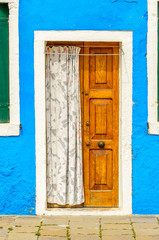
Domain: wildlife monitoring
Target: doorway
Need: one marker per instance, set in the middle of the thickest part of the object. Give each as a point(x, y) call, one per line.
point(125, 39)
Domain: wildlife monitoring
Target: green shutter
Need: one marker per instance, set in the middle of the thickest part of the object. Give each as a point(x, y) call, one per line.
point(4, 64)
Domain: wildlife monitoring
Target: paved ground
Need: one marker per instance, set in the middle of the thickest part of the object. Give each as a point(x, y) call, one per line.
point(79, 227)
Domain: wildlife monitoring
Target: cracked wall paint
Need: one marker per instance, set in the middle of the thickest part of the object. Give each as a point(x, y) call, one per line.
point(17, 174)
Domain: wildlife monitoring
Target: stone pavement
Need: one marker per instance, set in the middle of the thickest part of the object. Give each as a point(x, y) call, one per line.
point(79, 227)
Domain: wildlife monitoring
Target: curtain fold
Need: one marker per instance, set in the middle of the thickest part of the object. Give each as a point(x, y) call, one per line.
point(64, 138)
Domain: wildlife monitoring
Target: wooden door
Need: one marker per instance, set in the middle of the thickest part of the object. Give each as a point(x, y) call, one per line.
point(101, 124)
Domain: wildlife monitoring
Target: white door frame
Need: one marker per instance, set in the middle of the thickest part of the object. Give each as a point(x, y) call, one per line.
point(125, 118)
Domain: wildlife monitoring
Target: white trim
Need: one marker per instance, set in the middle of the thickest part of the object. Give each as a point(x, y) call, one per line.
point(12, 128)
point(125, 106)
point(152, 55)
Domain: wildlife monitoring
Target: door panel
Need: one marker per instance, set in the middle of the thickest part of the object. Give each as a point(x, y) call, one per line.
point(101, 119)
point(101, 170)
point(101, 111)
point(101, 71)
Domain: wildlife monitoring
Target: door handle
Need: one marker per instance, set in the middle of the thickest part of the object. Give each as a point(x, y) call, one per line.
point(87, 123)
point(101, 144)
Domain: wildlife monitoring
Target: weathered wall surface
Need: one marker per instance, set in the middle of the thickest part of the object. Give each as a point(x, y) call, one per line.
point(17, 162)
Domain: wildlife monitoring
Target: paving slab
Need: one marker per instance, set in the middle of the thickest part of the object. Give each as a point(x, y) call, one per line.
point(144, 237)
point(84, 221)
point(146, 225)
point(116, 226)
point(3, 232)
point(110, 237)
point(8, 217)
point(84, 217)
point(54, 232)
point(85, 231)
point(7, 222)
point(116, 219)
point(22, 236)
point(51, 238)
point(144, 219)
point(25, 229)
point(147, 232)
point(52, 227)
point(83, 225)
point(27, 221)
point(117, 232)
point(91, 219)
point(58, 220)
point(85, 237)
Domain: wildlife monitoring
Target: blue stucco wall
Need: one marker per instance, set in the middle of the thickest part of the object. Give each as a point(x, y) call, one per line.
point(17, 154)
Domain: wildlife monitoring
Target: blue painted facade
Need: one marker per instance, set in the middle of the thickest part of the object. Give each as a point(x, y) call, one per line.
point(17, 154)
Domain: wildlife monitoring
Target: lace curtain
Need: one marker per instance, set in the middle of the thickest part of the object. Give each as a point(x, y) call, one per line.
point(63, 113)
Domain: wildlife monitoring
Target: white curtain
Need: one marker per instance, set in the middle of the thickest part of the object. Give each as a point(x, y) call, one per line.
point(63, 112)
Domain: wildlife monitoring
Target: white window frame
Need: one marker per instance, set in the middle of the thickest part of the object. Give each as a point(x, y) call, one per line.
point(12, 128)
point(152, 62)
point(125, 116)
